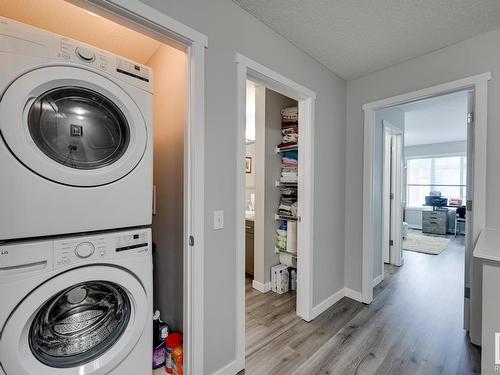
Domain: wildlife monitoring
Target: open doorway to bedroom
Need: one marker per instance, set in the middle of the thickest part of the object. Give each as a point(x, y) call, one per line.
point(421, 152)
point(466, 297)
point(422, 183)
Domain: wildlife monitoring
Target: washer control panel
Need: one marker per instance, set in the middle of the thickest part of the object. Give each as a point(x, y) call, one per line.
point(131, 241)
point(101, 247)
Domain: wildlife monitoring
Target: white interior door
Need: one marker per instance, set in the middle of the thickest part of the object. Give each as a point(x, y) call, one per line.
point(396, 240)
point(392, 202)
point(468, 216)
point(386, 196)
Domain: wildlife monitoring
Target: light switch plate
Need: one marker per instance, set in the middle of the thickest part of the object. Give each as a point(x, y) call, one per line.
point(218, 220)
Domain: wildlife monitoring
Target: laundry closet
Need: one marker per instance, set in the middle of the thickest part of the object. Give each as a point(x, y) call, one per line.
point(168, 64)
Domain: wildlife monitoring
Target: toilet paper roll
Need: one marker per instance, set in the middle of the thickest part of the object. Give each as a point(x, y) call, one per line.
point(291, 237)
point(288, 260)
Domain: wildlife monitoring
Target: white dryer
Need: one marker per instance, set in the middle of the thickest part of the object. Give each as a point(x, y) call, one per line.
point(76, 136)
point(77, 305)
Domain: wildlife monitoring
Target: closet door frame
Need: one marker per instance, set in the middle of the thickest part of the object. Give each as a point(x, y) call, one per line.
point(249, 69)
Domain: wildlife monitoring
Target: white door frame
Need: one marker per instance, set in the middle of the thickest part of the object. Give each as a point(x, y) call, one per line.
point(392, 223)
point(247, 68)
point(142, 18)
point(478, 83)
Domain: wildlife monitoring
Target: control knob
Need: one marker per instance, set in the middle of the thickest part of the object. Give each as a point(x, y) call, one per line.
point(85, 54)
point(84, 250)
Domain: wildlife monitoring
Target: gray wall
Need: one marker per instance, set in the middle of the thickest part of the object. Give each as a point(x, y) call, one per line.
point(397, 118)
point(268, 105)
point(169, 89)
point(473, 56)
point(230, 30)
point(458, 148)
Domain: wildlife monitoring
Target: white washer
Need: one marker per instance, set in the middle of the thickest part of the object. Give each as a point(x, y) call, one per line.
point(77, 305)
point(76, 136)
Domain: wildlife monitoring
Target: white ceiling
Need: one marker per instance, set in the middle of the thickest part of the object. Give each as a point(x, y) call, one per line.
point(436, 120)
point(68, 20)
point(357, 37)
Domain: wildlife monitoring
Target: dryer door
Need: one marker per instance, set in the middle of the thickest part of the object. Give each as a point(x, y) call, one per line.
point(72, 126)
point(84, 321)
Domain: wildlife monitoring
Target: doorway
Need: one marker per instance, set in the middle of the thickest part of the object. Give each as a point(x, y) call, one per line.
point(251, 70)
point(271, 213)
point(424, 169)
point(476, 118)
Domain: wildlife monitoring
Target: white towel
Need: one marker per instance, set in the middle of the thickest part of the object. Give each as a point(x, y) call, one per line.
point(291, 237)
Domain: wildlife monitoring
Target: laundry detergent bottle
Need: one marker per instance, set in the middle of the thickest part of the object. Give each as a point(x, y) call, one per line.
point(160, 333)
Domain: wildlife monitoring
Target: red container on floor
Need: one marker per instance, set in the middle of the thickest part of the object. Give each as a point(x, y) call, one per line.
point(173, 340)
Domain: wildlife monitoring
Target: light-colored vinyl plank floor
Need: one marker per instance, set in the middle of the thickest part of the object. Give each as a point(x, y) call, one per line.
point(413, 326)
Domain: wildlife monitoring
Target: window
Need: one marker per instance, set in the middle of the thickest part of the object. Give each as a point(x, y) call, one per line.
point(446, 175)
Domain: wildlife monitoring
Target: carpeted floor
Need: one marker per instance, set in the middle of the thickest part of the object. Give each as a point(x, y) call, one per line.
point(422, 243)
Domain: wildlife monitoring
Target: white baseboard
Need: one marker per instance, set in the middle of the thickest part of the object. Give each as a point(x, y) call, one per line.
point(263, 288)
point(352, 294)
point(327, 303)
point(230, 369)
point(377, 280)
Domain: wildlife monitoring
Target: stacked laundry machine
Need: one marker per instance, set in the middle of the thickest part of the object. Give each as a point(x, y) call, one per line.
point(75, 207)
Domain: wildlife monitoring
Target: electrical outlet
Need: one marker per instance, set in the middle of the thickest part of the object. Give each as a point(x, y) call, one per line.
point(218, 220)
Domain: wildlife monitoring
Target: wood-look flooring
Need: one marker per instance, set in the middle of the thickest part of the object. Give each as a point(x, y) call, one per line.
point(413, 326)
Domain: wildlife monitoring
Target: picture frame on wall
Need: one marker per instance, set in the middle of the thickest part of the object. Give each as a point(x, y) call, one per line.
point(248, 164)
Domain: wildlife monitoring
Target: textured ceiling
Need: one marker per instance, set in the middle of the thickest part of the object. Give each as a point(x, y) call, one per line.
point(357, 37)
point(71, 21)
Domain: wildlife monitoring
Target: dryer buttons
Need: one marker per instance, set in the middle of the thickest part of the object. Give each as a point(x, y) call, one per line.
point(84, 250)
point(86, 54)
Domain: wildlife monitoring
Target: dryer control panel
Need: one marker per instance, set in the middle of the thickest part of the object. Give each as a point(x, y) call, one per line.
point(71, 50)
point(104, 246)
point(21, 39)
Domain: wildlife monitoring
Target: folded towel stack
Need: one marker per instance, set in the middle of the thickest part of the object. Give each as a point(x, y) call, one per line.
point(290, 115)
point(289, 164)
point(288, 192)
point(289, 127)
point(286, 234)
point(285, 207)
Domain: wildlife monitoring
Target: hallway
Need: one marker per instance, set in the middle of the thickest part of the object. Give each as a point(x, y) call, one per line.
point(413, 326)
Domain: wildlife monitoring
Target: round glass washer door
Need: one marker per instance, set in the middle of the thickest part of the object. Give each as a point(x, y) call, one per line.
point(79, 324)
point(78, 128)
point(73, 126)
point(90, 326)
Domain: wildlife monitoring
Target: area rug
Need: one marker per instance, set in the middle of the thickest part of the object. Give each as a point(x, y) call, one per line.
point(425, 244)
